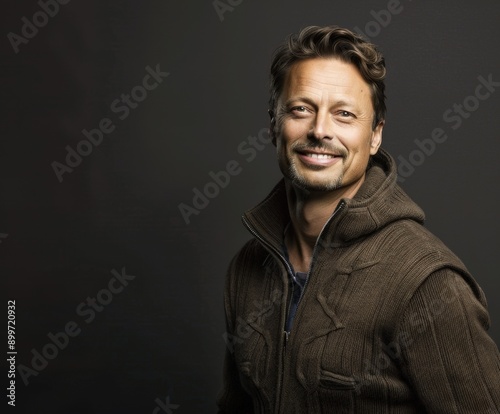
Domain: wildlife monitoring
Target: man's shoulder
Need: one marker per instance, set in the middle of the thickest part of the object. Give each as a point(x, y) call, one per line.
point(412, 235)
point(409, 245)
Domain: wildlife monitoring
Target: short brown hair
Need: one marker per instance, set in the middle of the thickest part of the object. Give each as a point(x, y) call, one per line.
point(331, 41)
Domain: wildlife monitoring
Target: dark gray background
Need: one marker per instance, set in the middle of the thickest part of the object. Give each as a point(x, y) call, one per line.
point(162, 336)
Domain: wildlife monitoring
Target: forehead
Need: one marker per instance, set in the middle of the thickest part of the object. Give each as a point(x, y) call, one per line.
point(320, 77)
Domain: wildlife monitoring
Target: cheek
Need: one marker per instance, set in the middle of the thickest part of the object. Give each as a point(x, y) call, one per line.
point(292, 129)
point(356, 140)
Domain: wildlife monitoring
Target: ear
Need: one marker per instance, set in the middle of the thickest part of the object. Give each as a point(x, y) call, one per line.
point(376, 139)
point(272, 126)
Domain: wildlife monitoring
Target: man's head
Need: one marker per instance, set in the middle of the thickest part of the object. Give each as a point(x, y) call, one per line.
point(327, 107)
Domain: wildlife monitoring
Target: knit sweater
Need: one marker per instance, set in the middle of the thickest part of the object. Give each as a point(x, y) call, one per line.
point(390, 320)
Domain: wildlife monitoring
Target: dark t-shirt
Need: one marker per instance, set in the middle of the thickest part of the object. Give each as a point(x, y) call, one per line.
point(298, 282)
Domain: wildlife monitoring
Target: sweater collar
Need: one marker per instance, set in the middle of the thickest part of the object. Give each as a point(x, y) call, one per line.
point(378, 202)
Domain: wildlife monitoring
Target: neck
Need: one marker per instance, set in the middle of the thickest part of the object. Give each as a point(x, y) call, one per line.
point(308, 213)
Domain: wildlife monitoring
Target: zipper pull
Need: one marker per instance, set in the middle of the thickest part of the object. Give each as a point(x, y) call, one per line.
point(285, 342)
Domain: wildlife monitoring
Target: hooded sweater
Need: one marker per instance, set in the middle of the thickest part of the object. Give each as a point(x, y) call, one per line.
point(389, 320)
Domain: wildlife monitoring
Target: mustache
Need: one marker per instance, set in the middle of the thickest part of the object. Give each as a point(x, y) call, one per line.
point(319, 146)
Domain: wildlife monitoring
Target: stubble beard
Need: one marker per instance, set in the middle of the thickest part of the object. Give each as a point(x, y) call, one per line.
point(301, 182)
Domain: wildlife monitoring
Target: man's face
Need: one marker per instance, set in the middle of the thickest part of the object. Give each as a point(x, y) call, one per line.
point(324, 126)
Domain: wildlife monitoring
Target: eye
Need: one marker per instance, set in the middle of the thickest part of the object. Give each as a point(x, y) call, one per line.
point(345, 114)
point(300, 110)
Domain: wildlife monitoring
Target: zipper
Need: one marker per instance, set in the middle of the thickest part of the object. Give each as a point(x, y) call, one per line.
point(281, 257)
point(286, 334)
point(340, 207)
point(268, 245)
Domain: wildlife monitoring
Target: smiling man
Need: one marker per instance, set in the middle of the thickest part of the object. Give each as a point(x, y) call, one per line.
point(343, 302)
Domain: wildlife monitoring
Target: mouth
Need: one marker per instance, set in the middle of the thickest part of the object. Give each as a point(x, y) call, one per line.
point(317, 155)
point(318, 158)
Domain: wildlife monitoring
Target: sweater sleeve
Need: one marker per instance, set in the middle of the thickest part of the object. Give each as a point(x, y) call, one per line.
point(450, 360)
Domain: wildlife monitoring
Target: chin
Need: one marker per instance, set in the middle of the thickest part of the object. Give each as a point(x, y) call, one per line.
point(315, 185)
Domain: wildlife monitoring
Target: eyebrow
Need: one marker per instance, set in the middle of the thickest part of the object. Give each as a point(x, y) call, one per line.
point(300, 98)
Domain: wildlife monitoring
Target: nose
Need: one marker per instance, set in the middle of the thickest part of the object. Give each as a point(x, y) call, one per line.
point(322, 126)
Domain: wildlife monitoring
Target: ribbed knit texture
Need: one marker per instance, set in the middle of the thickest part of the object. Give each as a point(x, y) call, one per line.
point(390, 320)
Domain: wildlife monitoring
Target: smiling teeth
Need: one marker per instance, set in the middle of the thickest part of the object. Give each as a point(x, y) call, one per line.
point(320, 156)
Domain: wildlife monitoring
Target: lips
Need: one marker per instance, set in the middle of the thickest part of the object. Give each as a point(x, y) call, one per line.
point(318, 158)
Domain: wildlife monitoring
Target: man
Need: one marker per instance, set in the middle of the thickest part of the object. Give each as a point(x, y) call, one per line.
point(343, 302)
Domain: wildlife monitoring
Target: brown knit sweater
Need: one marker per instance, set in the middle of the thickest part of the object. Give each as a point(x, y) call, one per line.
point(390, 320)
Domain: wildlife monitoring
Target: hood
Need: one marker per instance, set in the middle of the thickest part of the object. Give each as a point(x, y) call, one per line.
point(379, 202)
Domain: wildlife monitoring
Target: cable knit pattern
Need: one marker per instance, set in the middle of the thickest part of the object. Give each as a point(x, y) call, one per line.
point(390, 321)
